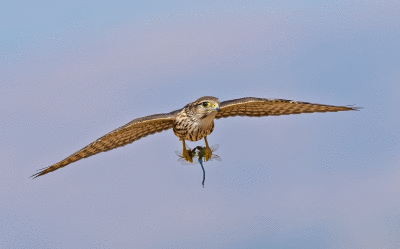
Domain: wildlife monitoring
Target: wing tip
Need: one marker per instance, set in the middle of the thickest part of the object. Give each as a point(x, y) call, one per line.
point(36, 175)
point(41, 172)
point(354, 108)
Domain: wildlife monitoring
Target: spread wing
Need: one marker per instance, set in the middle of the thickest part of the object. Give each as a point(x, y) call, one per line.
point(132, 131)
point(258, 107)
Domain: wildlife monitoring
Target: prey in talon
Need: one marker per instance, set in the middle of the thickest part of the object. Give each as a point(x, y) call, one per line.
point(198, 155)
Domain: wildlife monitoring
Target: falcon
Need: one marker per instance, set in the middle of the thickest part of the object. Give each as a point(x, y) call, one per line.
point(193, 122)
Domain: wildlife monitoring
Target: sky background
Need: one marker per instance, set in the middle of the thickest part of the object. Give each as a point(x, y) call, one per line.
point(72, 71)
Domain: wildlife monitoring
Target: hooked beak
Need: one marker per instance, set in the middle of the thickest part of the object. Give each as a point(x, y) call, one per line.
point(217, 109)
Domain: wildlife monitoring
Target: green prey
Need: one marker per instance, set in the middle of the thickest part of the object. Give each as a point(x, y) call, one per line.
point(200, 154)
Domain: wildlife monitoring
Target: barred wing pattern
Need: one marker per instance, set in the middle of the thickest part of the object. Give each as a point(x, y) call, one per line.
point(132, 131)
point(258, 107)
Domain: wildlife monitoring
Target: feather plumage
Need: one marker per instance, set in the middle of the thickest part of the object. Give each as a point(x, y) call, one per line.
point(193, 122)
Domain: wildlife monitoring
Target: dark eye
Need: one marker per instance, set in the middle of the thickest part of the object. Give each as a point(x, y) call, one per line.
point(206, 104)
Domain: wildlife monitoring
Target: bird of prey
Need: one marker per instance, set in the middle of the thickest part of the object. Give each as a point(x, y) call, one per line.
point(193, 122)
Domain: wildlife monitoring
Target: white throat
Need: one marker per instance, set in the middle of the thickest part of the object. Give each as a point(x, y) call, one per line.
point(208, 120)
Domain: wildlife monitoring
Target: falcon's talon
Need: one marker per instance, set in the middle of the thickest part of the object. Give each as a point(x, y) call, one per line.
point(186, 155)
point(208, 153)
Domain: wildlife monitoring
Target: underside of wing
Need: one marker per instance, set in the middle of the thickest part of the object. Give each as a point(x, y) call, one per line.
point(132, 131)
point(258, 107)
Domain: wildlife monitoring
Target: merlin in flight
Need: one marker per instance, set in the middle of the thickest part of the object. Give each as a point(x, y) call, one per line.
point(193, 122)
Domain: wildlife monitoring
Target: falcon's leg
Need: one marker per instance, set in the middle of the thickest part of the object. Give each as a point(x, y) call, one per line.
point(208, 150)
point(185, 153)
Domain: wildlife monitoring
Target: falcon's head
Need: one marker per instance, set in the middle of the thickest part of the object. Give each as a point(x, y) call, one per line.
point(206, 107)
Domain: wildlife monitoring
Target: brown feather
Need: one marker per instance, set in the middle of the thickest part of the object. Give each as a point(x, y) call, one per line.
point(132, 131)
point(258, 107)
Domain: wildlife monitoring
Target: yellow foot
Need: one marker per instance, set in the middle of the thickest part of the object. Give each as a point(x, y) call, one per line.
point(208, 153)
point(187, 156)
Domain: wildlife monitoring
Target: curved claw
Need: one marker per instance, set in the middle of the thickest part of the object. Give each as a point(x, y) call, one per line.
point(187, 156)
point(208, 153)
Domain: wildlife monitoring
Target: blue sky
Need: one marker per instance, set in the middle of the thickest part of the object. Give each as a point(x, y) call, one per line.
point(72, 72)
